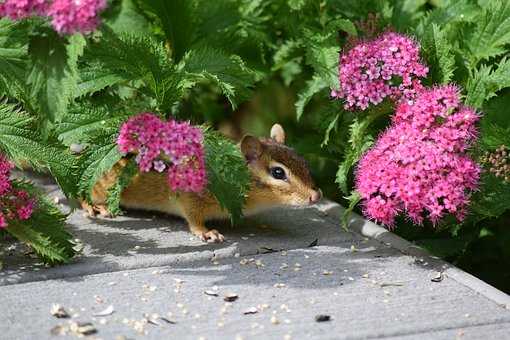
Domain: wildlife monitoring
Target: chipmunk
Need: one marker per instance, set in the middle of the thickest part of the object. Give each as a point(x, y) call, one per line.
point(278, 177)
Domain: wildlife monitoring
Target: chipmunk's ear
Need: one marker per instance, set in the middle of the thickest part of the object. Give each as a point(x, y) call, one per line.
point(251, 147)
point(278, 134)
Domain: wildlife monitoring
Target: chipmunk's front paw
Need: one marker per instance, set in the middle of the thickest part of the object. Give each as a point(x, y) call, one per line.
point(212, 235)
point(94, 210)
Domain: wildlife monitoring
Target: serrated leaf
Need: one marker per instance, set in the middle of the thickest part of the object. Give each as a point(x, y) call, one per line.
point(44, 231)
point(359, 142)
point(132, 58)
point(449, 12)
point(82, 123)
point(438, 51)
point(227, 174)
point(128, 19)
point(113, 196)
point(287, 60)
point(354, 198)
point(322, 55)
point(227, 71)
point(332, 126)
point(96, 161)
point(13, 57)
point(53, 72)
point(312, 87)
point(178, 20)
point(491, 33)
point(343, 25)
point(486, 81)
point(21, 142)
point(493, 198)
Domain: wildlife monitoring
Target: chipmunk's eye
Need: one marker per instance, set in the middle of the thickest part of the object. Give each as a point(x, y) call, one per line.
point(278, 173)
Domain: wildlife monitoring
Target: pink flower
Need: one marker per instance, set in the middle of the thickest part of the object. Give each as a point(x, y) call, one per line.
point(20, 9)
point(14, 203)
point(3, 221)
point(71, 16)
point(388, 66)
point(159, 145)
point(419, 166)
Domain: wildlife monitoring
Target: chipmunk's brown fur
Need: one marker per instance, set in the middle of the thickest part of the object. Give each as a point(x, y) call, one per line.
point(149, 191)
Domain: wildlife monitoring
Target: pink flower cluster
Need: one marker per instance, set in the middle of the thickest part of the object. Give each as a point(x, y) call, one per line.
point(388, 66)
point(67, 16)
point(14, 204)
point(20, 9)
point(166, 145)
point(419, 165)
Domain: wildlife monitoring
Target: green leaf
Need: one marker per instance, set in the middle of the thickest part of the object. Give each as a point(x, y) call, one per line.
point(97, 159)
point(132, 58)
point(354, 198)
point(83, 122)
point(227, 174)
point(45, 230)
point(228, 72)
point(345, 25)
point(438, 51)
point(21, 142)
point(332, 126)
point(287, 59)
point(312, 87)
point(53, 72)
point(486, 81)
point(449, 12)
point(359, 142)
point(13, 57)
point(178, 20)
point(322, 55)
point(113, 195)
point(491, 33)
point(493, 198)
point(128, 19)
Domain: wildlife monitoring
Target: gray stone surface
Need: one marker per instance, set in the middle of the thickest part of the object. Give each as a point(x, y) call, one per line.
point(372, 287)
point(369, 292)
point(491, 331)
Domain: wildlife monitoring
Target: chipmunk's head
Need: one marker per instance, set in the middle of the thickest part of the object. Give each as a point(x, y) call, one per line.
point(280, 176)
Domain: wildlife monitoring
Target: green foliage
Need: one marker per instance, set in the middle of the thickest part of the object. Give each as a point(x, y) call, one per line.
point(178, 21)
point(439, 53)
point(486, 82)
point(492, 200)
point(53, 73)
point(228, 72)
point(13, 57)
point(227, 174)
point(490, 33)
point(354, 198)
point(114, 193)
point(44, 232)
point(22, 143)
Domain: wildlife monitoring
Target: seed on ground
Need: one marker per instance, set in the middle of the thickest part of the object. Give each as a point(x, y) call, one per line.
point(322, 318)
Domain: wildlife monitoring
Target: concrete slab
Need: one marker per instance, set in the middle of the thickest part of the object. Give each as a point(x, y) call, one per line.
point(141, 240)
point(371, 283)
point(492, 331)
point(372, 292)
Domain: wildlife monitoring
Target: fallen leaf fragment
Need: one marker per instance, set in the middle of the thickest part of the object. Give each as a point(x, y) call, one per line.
point(105, 312)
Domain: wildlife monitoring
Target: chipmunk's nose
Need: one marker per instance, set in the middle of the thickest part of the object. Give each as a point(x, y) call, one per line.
point(315, 196)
